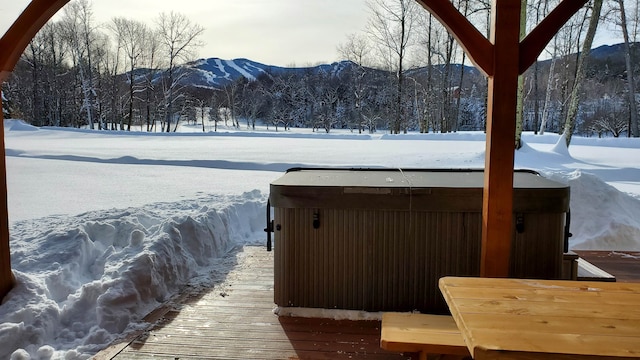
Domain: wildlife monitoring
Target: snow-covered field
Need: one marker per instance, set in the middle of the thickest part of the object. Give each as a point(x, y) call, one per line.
point(105, 226)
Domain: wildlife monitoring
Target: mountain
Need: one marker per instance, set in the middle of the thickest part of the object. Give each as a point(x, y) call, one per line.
point(606, 63)
point(217, 73)
point(605, 52)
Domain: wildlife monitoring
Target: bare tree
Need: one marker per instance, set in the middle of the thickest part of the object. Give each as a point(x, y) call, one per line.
point(447, 90)
point(391, 28)
point(151, 61)
point(79, 31)
point(214, 112)
point(633, 109)
point(555, 52)
point(572, 111)
point(180, 39)
point(58, 52)
point(282, 95)
point(520, 96)
point(253, 101)
point(357, 49)
point(109, 105)
point(232, 102)
point(550, 85)
point(36, 89)
point(429, 38)
point(607, 115)
point(327, 109)
point(130, 36)
point(34, 56)
point(539, 6)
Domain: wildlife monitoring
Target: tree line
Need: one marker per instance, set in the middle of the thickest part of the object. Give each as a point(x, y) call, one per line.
point(76, 72)
point(403, 72)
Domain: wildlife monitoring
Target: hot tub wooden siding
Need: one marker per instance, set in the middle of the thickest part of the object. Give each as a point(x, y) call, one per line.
point(379, 240)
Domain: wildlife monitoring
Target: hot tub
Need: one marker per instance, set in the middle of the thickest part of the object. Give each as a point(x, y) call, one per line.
point(379, 239)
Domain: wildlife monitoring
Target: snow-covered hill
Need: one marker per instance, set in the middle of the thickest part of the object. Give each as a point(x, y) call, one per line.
point(217, 73)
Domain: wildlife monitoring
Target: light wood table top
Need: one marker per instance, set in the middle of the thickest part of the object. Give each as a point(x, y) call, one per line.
point(545, 319)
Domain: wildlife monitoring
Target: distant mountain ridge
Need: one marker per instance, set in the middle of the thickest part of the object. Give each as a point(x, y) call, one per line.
point(216, 73)
point(610, 51)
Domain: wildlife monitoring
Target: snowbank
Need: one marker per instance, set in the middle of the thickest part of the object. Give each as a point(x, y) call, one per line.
point(83, 280)
point(18, 125)
point(603, 218)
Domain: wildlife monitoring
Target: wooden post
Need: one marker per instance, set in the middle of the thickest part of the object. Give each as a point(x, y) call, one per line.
point(508, 63)
point(502, 59)
point(12, 44)
point(497, 205)
point(6, 275)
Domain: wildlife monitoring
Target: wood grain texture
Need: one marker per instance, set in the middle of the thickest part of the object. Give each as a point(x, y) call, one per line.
point(432, 334)
point(235, 320)
point(497, 209)
point(542, 319)
point(6, 275)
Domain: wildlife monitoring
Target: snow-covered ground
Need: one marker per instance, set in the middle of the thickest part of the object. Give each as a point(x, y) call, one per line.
point(105, 226)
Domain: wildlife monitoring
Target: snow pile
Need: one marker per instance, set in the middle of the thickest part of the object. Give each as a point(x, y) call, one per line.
point(83, 280)
point(18, 125)
point(603, 218)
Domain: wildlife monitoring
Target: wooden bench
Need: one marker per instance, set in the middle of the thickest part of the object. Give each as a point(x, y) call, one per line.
point(431, 336)
point(569, 266)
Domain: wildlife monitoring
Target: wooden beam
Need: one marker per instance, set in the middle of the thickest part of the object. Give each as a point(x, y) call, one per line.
point(6, 275)
point(499, 60)
point(497, 207)
point(12, 45)
point(502, 59)
point(533, 44)
point(16, 39)
point(477, 47)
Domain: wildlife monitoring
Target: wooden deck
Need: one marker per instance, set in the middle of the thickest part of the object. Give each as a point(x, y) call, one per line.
point(235, 320)
point(624, 265)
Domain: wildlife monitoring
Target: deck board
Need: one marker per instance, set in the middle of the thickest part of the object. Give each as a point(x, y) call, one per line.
point(235, 320)
point(624, 265)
